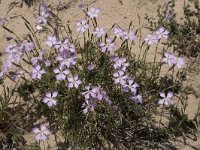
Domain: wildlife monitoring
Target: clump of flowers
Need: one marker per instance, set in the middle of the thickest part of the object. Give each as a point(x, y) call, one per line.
point(156, 36)
point(91, 90)
point(172, 60)
point(43, 17)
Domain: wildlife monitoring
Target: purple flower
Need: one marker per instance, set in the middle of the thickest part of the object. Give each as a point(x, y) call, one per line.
point(74, 81)
point(47, 63)
point(26, 46)
point(91, 67)
point(118, 32)
point(62, 45)
point(65, 46)
point(180, 63)
point(17, 74)
point(162, 33)
point(37, 72)
point(99, 32)
point(7, 65)
point(98, 94)
point(50, 98)
point(169, 58)
point(132, 36)
point(71, 48)
point(61, 73)
point(41, 133)
point(51, 41)
point(3, 21)
point(82, 26)
point(124, 35)
point(93, 12)
point(88, 106)
point(11, 49)
point(151, 39)
point(66, 59)
point(137, 99)
point(44, 15)
point(108, 46)
point(105, 97)
point(15, 57)
point(42, 19)
point(120, 78)
point(169, 16)
point(120, 63)
point(128, 36)
point(34, 60)
point(132, 86)
point(166, 100)
point(89, 93)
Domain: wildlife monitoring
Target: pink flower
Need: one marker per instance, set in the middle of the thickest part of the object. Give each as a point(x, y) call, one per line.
point(169, 16)
point(35, 60)
point(17, 74)
point(180, 63)
point(162, 33)
point(61, 73)
point(120, 77)
point(37, 72)
point(89, 93)
point(51, 41)
point(108, 46)
point(7, 65)
point(41, 133)
point(128, 36)
point(91, 67)
point(50, 98)
point(118, 32)
point(44, 15)
point(3, 21)
point(66, 59)
point(151, 39)
point(121, 63)
point(26, 46)
point(169, 59)
point(93, 12)
point(88, 106)
point(47, 63)
point(166, 100)
point(132, 36)
point(74, 81)
point(99, 32)
point(82, 26)
point(11, 49)
point(137, 99)
point(132, 86)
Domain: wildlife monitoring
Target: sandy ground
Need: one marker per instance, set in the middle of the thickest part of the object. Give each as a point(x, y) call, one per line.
point(121, 12)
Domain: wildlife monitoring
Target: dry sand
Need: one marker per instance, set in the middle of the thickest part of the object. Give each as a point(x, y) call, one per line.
point(121, 12)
